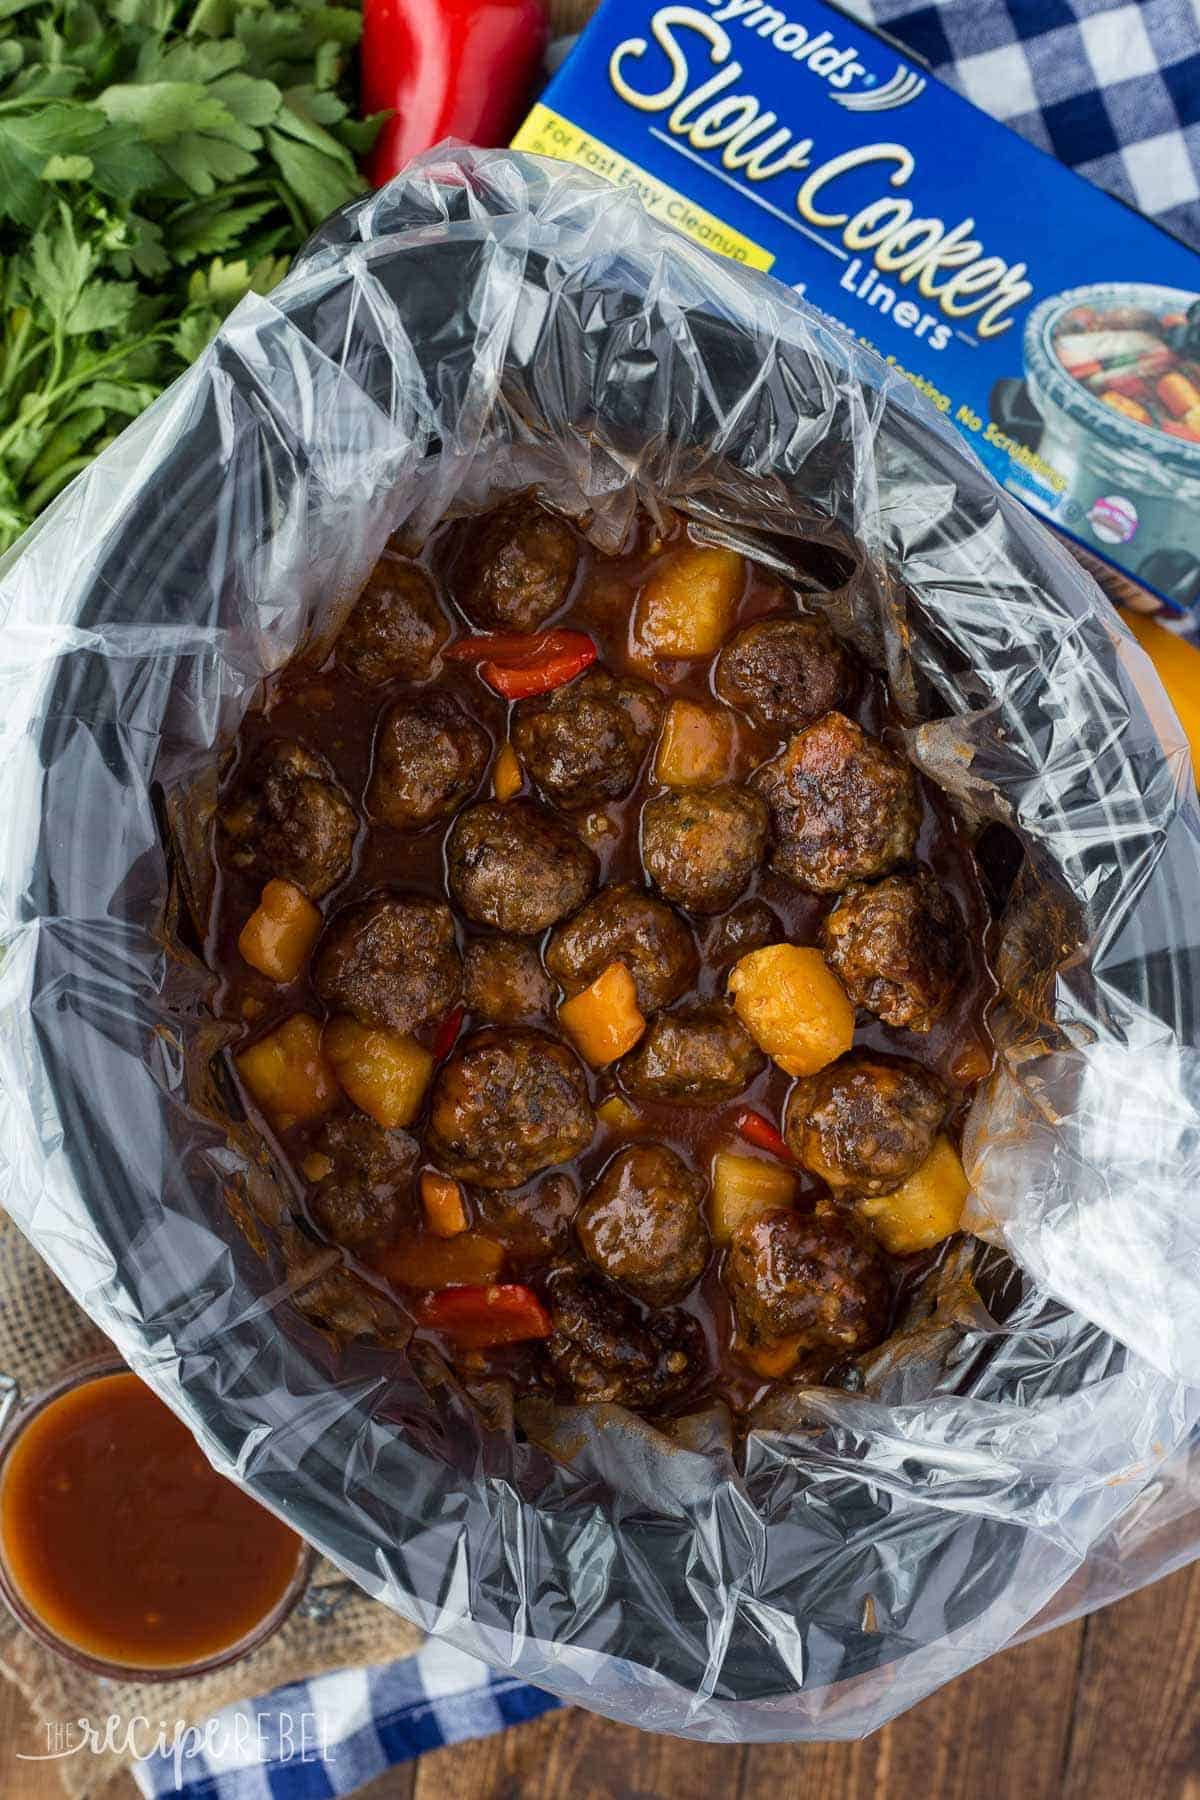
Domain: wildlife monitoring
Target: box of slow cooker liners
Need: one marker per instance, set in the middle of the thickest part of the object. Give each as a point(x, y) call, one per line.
point(1058, 329)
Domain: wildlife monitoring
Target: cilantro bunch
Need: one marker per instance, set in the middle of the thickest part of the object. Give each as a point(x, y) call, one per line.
point(159, 159)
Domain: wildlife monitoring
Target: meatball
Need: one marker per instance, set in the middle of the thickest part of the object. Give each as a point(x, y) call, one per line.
point(390, 961)
point(337, 1301)
point(810, 1276)
point(516, 566)
point(365, 1194)
point(289, 818)
point(641, 1225)
point(697, 1053)
point(517, 868)
point(428, 757)
point(533, 1222)
point(701, 846)
point(506, 1105)
point(397, 627)
point(898, 948)
point(504, 980)
point(605, 1352)
point(864, 1124)
point(585, 742)
point(622, 924)
point(842, 807)
point(750, 926)
point(784, 672)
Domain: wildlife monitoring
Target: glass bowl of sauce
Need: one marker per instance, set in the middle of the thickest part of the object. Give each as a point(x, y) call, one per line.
point(122, 1548)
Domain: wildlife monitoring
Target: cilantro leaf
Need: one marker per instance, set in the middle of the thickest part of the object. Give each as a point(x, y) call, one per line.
point(212, 225)
point(27, 142)
point(101, 306)
point(195, 332)
point(68, 168)
point(159, 159)
point(319, 182)
point(61, 266)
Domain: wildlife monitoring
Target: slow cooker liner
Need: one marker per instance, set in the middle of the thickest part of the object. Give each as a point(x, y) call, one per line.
point(455, 334)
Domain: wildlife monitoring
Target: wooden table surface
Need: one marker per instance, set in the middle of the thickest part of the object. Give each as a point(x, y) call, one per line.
point(1105, 1709)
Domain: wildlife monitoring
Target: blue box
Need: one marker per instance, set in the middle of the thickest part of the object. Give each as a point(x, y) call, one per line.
point(1058, 329)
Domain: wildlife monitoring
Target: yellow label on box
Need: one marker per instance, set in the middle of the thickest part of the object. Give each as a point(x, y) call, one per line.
point(547, 133)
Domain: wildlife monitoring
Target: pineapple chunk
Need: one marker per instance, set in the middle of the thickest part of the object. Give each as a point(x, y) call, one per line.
point(287, 1074)
point(507, 776)
point(604, 1020)
point(688, 604)
point(742, 1188)
point(696, 746)
point(924, 1209)
point(793, 1006)
point(383, 1072)
point(442, 1199)
point(279, 934)
point(617, 1114)
point(771, 1361)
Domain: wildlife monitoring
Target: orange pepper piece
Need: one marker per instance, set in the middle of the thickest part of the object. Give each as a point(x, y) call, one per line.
point(418, 1261)
point(442, 1200)
point(506, 776)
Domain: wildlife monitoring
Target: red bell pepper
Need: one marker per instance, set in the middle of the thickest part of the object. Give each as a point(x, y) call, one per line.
point(447, 1033)
point(757, 1130)
point(1082, 370)
point(505, 646)
point(446, 69)
point(478, 1318)
point(515, 682)
point(517, 664)
point(1127, 383)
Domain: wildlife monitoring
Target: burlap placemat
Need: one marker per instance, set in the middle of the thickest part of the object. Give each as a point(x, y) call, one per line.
point(335, 1626)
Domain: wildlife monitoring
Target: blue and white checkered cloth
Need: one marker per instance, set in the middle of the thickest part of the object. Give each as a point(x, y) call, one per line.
point(1112, 90)
point(328, 1736)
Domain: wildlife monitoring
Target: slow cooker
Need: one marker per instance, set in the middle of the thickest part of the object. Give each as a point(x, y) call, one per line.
point(487, 320)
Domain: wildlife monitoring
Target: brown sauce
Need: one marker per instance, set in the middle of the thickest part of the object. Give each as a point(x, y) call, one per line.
point(125, 1543)
point(330, 712)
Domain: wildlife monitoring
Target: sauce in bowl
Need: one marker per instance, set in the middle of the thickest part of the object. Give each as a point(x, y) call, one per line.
point(121, 1546)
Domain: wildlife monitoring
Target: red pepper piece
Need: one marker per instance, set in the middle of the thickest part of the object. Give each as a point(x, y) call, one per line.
point(516, 665)
point(757, 1130)
point(447, 1033)
point(504, 646)
point(447, 69)
point(520, 649)
point(1082, 370)
point(478, 1318)
point(515, 682)
point(1127, 383)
